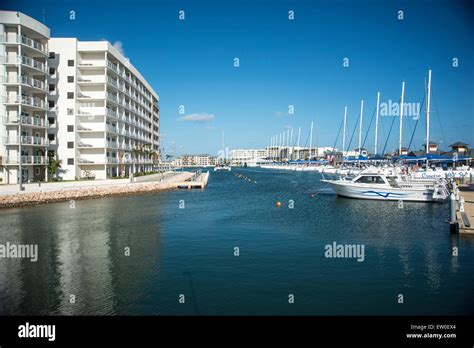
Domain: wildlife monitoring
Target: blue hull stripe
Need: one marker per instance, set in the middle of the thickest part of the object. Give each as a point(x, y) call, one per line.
point(382, 194)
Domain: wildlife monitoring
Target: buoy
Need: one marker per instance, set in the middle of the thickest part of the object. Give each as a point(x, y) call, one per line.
point(278, 204)
point(255, 182)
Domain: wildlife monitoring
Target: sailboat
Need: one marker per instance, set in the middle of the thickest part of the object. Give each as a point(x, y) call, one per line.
point(383, 184)
point(222, 166)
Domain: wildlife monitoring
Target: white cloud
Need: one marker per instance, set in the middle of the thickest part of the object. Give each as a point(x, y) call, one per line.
point(197, 117)
point(119, 47)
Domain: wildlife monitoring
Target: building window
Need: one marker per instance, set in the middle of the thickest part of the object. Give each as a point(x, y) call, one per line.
point(52, 55)
point(52, 88)
point(70, 79)
point(70, 161)
point(37, 171)
point(70, 95)
point(70, 62)
point(51, 120)
point(52, 71)
point(70, 111)
point(70, 145)
point(51, 137)
point(51, 104)
point(70, 128)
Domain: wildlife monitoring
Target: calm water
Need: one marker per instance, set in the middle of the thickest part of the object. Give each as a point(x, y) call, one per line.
point(190, 251)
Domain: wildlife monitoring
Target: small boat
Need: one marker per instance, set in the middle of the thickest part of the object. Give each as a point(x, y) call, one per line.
point(383, 186)
point(222, 167)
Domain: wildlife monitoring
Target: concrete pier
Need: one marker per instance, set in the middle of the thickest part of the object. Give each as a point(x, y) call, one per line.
point(465, 212)
point(199, 180)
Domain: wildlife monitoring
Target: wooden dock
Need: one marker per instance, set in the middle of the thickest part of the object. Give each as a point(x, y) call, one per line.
point(465, 213)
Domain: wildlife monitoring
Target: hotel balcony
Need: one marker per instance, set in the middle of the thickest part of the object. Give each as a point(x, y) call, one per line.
point(112, 97)
point(113, 67)
point(25, 81)
point(112, 144)
point(97, 144)
point(25, 100)
point(25, 61)
point(91, 80)
point(25, 160)
point(26, 41)
point(97, 127)
point(89, 95)
point(112, 82)
point(26, 140)
point(27, 121)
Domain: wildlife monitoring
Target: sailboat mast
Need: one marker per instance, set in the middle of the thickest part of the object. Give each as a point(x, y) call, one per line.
point(428, 117)
point(360, 125)
point(401, 120)
point(377, 122)
point(344, 132)
point(299, 136)
point(310, 140)
point(223, 151)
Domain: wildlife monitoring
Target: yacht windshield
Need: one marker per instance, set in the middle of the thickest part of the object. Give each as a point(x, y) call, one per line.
point(370, 179)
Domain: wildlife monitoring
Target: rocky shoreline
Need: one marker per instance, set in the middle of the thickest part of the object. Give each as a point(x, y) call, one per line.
point(36, 198)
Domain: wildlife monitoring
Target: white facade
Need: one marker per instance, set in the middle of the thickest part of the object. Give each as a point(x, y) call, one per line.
point(23, 96)
point(195, 161)
point(104, 115)
point(243, 156)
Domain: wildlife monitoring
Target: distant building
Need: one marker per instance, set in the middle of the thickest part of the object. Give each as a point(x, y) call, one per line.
point(460, 147)
point(244, 156)
point(204, 160)
point(404, 151)
point(432, 147)
point(286, 153)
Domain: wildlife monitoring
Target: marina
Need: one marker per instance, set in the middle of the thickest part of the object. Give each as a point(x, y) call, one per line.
point(190, 250)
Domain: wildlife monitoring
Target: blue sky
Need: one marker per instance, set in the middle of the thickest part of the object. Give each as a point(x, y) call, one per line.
point(284, 63)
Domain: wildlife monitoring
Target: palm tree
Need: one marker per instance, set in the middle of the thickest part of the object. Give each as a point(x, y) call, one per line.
point(136, 151)
point(54, 164)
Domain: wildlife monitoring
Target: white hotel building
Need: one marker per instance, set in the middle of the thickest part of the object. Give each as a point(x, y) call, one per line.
point(107, 114)
point(23, 96)
point(80, 102)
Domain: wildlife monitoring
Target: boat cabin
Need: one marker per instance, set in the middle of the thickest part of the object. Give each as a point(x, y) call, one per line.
point(370, 179)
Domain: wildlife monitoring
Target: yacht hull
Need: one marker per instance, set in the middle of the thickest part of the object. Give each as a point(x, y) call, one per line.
point(383, 194)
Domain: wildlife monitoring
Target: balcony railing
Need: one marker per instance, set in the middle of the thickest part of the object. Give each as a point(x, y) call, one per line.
point(34, 121)
point(29, 140)
point(112, 97)
point(26, 140)
point(24, 80)
point(111, 112)
point(34, 160)
point(83, 160)
point(24, 41)
point(112, 66)
point(110, 128)
point(112, 144)
point(26, 100)
point(112, 82)
point(33, 63)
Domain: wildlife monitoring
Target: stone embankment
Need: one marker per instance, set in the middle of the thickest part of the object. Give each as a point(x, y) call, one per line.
point(34, 198)
point(86, 192)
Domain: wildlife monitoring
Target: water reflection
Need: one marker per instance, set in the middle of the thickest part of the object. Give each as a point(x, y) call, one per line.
point(82, 267)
